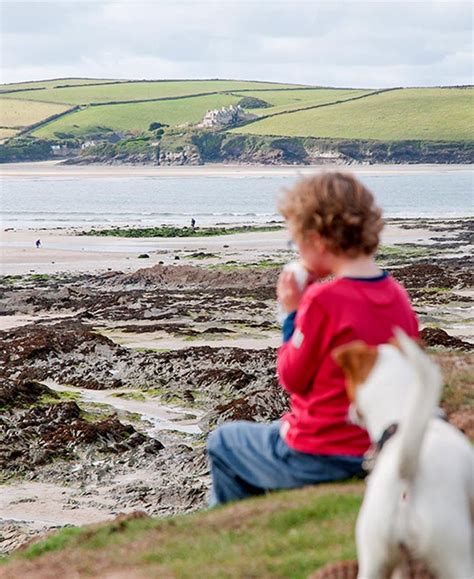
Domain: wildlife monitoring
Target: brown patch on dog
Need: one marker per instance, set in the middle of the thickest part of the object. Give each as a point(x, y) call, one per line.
point(394, 342)
point(356, 360)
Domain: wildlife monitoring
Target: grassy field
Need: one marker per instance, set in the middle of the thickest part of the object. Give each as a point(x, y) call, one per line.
point(136, 116)
point(287, 534)
point(53, 83)
point(140, 91)
point(7, 133)
point(425, 114)
point(418, 114)
point(20, 113)
point(295, 99)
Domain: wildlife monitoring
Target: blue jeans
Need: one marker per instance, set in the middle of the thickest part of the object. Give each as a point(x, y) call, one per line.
point(248, 458)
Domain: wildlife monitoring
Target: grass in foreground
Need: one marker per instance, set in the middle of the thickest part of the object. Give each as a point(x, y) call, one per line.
point(458, 373)
point(288, 534)
point(179, 231)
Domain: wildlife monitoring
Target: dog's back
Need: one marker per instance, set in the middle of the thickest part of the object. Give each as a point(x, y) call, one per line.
point(420, 495)
point(429, 517)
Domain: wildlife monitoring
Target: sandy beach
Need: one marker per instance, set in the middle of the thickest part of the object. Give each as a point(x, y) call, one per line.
point(65, 251)
point(54, 169)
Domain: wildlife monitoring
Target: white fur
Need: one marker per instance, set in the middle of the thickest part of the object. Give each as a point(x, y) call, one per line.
point(420, 494)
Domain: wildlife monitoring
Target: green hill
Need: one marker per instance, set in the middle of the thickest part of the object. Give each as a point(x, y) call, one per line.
point(288, 100)
point(57, 83)
point(288, 534)
point(135, 91)
point(406, 114)
point(290, 123)
point(7, 133)
point(19, 113)
point(139, 115)
point(136, 116)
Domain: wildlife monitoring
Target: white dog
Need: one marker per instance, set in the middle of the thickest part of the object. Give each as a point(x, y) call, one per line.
point(420, 494)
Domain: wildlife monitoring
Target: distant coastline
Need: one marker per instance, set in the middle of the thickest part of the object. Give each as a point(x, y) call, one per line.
point(232, 121)
point(55, 168)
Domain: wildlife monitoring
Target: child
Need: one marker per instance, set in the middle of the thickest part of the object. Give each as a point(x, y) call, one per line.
point(336, 225)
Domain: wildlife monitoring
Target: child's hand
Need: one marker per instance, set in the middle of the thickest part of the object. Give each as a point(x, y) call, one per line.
point(288, 292)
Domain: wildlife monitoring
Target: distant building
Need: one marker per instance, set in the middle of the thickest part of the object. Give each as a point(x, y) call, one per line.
point(225, 117)
point(87, 144)
point(59, 150)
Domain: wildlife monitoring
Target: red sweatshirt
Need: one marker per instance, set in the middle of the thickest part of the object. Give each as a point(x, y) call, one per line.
point(331, 314)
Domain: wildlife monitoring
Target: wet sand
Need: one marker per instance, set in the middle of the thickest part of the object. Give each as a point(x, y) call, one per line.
point(54, 169)
point(63, 250)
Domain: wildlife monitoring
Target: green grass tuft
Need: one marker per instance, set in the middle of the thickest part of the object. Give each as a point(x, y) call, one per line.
point(169, 231)
point(55, 542)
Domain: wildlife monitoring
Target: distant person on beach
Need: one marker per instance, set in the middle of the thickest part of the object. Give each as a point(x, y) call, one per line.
point(38, 243)
point(193, 223)
point(334, 222)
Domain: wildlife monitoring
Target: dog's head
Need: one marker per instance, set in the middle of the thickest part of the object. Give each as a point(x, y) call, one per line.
point(373, 373)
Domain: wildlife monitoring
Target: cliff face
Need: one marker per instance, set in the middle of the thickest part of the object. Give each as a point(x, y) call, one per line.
point(200, 147)
point(213, 147)
point(296, 150)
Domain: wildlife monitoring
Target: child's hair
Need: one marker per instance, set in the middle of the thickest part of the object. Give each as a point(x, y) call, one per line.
point(338, 207)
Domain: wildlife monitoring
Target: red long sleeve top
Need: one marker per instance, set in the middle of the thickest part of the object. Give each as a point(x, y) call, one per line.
point(331, 314)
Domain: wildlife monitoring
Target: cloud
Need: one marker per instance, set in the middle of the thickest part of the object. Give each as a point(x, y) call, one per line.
point(338, 42)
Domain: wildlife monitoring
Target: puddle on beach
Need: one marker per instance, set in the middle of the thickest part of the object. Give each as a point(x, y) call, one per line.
point(455, 318)
point(45, 505)
point(40, 506)
point(8, 322)
point(154, 416)
point(163, 340)
point(159, 341)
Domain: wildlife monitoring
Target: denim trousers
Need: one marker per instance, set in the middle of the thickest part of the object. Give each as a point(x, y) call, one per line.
point(248, 458)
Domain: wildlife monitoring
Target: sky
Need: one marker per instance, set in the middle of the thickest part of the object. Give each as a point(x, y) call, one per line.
point(344, 43)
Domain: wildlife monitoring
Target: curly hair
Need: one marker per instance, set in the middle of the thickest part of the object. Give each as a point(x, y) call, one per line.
point(338, 207)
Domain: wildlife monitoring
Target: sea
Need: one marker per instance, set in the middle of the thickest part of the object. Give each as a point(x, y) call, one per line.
point(43, 202)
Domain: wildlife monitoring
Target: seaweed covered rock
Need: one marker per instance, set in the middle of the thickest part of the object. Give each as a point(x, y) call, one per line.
point(439, 337)
point(19, 395)
point(33, 433)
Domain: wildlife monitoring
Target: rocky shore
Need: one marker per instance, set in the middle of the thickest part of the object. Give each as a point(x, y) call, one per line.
point(110, 382)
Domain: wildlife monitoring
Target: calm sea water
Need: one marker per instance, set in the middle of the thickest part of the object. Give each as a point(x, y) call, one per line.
point(147, 201)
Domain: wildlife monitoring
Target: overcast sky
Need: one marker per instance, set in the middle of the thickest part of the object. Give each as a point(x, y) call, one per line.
point(337, 43)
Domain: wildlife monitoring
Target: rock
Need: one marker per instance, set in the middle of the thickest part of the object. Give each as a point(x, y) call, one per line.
point(439, 337)
point(36, 435)
point(189, 155)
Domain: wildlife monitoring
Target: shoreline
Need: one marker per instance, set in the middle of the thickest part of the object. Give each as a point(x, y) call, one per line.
point(54, 169)
point(64, 251)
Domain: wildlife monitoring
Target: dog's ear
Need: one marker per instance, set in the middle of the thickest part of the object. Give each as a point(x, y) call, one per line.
point(396, 343)
point(356, 360)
